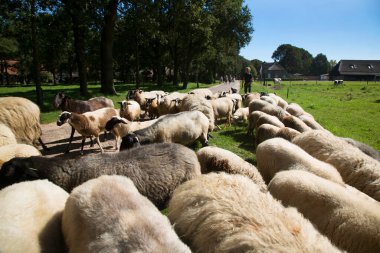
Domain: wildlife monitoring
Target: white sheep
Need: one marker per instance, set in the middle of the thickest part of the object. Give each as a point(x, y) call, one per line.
point(349, 220)
point(311, 122)
point(249, 97)
point(213, 159)
point(130, 110)
point(223, 107)
point(30, 219)
point(253, 117)
point(7, 152)
point(366, 149)
point(108, 214)
point(277, 81)
point(202, 92)
point(295, 123)
point(120, 127)
point(268, 119)
point(240, 115)
point(278, 154)
point(22, 116)
point(270, 100)
point(170, 103)
point(88, 124)
point(269, 131)
point(357, 169)
point(280, 101)
point(296, 110)
point(229, 213)
point(184, 128)
point(6, 135)
point(194, 102)
point(261, 105)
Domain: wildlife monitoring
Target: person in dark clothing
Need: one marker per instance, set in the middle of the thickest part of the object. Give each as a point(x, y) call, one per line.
point(248, 78)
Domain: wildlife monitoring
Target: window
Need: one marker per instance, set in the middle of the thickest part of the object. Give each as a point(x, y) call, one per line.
point(353, 66)
point(370, 66)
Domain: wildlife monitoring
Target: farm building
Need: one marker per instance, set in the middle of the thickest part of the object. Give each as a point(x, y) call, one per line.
point(355, 70)
point(270, 70)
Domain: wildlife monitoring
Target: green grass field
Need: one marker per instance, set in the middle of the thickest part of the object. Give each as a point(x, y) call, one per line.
point(351, 110)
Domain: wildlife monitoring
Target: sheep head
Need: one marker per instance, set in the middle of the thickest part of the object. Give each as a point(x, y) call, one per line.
point(17, 170)
point(63, 117)
point(129, 141)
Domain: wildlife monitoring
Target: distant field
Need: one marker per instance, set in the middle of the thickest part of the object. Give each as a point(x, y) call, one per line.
point(351, 110)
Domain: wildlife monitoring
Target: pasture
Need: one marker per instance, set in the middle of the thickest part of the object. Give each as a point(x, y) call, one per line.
point(351, 110)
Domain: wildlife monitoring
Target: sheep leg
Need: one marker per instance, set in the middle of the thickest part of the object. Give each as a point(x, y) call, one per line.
point(91, 142)
point(70, 140)
point(43, 144)
point(98, 142)
point(81, 148)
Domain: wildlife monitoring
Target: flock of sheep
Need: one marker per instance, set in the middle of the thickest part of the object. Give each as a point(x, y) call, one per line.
point(311, 191)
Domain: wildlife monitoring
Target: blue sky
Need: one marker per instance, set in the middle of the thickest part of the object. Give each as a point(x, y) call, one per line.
point(339, 29)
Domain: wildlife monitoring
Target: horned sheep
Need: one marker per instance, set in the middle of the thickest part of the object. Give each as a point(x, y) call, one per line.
point(214, 159)
point(155, 169)
point(350, 221)
point(279, 154)
point(357, 169)
point(184, 128)
point(115, 217)
point(229, 213)
point(22, 117)
point(6, 135)
point(30, 217)
point(88, 124)
point(193, 102)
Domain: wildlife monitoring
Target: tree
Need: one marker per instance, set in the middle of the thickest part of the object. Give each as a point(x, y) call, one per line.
point(107, 86)
point(257, 65)
point(320, 65)
point(293, 59)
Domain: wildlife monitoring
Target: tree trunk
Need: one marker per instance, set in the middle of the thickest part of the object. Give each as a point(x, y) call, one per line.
point(137, 67)
point(159, 64)
point(80, 56)
point(106, 43)
point(36, 64)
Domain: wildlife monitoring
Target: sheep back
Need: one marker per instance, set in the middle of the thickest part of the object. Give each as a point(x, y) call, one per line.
point(156, 170)
point(193, 102)
point(22, 116)
point(214, 159)
point(357, 169)
point(228, 213)
point(278, 154)
point(364, 148)
point(115, 217)
point(30, 217)
point(6, 135)
point(10, 151)
point(350, 221)
point(295, 123)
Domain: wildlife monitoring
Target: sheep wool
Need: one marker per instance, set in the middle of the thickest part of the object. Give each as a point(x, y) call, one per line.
point(115, 217)
point(228, 213)
point(30, 219)
point(278, 154)
point(357, 169)
point(214, 159)
point(349, 220)
point(6, 135)
point(10, 151)
point(194, 102)
point(22, 116)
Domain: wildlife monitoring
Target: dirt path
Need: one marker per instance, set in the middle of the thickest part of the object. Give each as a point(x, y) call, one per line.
point(57, 137)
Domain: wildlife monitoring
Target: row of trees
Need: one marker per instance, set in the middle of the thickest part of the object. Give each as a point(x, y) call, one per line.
point(298, 60)
point(190, 39)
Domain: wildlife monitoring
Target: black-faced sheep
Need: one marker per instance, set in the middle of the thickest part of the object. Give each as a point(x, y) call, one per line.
point(156, 169)
point(278, 154)
point(357, 169)
point(30, 217)
point(88, 124)
point(184, 128)
point(22, 117)
point(229, 213)
point(120, 127)
point(349, 220)
point(214, 159)
point(108, 214)
point(6, 135)
point(193, 102)
point(130, 110)
point(10, 151)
